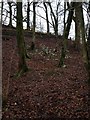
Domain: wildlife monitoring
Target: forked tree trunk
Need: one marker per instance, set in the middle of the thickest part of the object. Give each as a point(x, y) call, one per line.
point(69, 20)
point(55, 22)
point(65, 35)
point(20, 41)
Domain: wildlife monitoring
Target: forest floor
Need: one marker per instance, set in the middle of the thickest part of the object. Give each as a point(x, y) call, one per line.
point(45, 92)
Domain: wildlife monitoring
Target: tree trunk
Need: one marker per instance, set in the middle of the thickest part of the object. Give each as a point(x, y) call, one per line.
point(82, 26)
point(28, 18)
point(68, 25)
point(64, 14)
point(77, 26)
point(69, 20)
point(34, 25)
point(55, 22)
point(10, 12)
point(88, 41)
point(20, 41)
point(65, 35)
point(88, 44)
point(1, 11)
point(46, 17)
point(56, 27)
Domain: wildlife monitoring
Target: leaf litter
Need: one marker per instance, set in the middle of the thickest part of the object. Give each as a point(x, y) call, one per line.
point(46, 91)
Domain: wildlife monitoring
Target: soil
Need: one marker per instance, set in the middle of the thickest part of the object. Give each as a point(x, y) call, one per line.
point(45, 92)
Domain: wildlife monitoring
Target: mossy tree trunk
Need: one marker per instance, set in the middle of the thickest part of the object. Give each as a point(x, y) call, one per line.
point(85, 46)
point(82, 26)
point(65, 35)
point(20, 41)
point(88, 44)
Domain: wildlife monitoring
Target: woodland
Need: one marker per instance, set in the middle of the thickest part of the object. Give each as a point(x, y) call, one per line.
point(45, 75)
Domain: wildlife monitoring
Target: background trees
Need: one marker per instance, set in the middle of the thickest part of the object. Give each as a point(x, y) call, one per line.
point(40, 15)
point(67, 84)
point(52, 18)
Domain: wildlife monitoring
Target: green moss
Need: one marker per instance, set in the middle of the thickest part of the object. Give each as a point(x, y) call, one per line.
point(61, 62)
point(21, 72)
point(4, 101)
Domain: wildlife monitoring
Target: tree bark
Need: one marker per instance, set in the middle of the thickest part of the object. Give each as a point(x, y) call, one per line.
point(10, 12)
point(88, 43)
point(65, 35)
point(20, 41)
point(1, 11)
point(77, 26)
point(46, 17)
point(64, 14)
point(88, 46)
point(82, 26)
point(34, 25)
point(28, 17)
point(55, 22)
